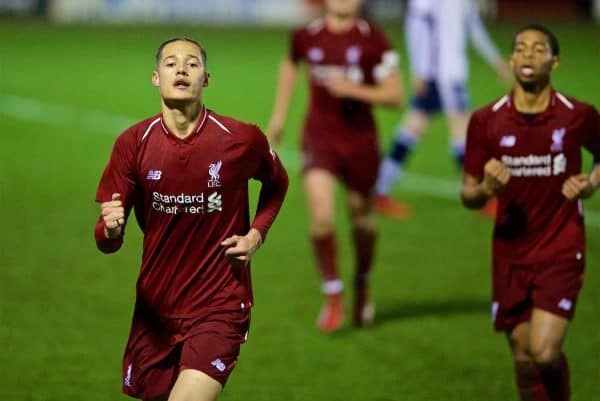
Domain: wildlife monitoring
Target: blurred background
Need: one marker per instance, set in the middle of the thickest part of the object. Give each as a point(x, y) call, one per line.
point(75, 73)
point(271, 12)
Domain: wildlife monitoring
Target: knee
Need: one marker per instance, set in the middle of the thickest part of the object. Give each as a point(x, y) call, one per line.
point(545, 353)
point(362, 217)
point(520, 351)
point(321, 224)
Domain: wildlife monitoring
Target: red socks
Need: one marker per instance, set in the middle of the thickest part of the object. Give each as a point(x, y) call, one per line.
point(325, 252)
point(556, 380)
point(543, 383)
point(364, 246)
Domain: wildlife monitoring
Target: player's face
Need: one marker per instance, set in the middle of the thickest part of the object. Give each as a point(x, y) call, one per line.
point(180, 74)
point(532, 59)
point(343, 7)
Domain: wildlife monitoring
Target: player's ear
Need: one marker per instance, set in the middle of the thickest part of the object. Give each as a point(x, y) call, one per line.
point(206, 79)
point(555, 62)
point(155, 79)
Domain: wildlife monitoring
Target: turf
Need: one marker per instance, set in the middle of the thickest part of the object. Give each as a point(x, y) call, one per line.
point(65, 308)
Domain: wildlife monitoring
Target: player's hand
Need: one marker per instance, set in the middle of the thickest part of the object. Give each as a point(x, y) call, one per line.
point(495, 177)
point(419, 86)
point(578, 187)
point(339, 86)
point(240, 248)
point(504, 71)
point(274, 131)
point(113, 214)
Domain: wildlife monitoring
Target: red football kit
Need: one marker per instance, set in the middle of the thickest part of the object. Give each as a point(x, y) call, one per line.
point(188, 196)
point(538, 240)
point(340, 134)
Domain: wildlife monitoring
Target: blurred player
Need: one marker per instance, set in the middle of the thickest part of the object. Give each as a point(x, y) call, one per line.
point(525, 149)
point(185, 173)
point(437, 33)
point(351, 65)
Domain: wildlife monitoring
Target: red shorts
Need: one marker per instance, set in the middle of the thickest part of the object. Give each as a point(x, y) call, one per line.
point(356, 167)
point(158, 349)
point(518, 288)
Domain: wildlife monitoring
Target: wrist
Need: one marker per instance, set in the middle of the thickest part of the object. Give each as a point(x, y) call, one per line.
point(254, 238)
point(485, 190)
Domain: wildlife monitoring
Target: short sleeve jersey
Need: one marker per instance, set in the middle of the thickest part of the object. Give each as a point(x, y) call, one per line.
point(363, 55)
point(535, 222)
point(188, 196)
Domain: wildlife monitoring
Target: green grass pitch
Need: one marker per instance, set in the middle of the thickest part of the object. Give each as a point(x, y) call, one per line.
point(65, 308)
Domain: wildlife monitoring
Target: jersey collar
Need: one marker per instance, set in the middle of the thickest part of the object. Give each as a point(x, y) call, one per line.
point(543, 116)
point(190, 137)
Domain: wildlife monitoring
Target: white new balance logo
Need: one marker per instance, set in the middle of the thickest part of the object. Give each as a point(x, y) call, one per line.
point(217, 363)
point(508, 141)
point(565, 304)
point(154, 175)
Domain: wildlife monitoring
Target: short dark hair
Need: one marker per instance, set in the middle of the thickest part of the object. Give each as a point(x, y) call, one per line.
point(552, 40)
point(183, 39)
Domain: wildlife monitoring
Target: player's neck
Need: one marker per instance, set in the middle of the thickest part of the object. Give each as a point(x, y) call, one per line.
point(529, 101)
point(337, 23)
point(181, 118)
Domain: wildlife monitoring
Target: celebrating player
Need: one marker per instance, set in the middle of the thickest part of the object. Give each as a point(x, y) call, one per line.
point(351, 65)
point(437, 33)
point(185, 173)
point(525, 149)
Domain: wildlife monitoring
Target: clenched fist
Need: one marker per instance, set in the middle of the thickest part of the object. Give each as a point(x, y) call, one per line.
point(113, 214)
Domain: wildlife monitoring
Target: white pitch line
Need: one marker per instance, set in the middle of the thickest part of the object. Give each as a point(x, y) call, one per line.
point(33, 110)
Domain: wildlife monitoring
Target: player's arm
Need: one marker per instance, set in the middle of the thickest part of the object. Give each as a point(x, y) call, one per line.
point(584, 185)
point(484, 176)
point(288, 71)
point(485, 46)
point(114, 195)
point(475, 192)
point(274, 183)
point(387, 91)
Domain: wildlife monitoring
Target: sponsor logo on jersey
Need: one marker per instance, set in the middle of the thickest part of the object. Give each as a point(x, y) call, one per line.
point(508, 141)
point(187, 203)
point(215, 203)
point(557, 139)
point(559, 165)
point(565, 304)
point(535, 165)
point(154, 175)
point(213, 170)
point(315, 54)
point(217, 363)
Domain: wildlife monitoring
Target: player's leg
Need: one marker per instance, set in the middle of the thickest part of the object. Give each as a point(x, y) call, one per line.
point(455, 103)
point(150, 361)
point(457, 123)
point(194, 385)
point(364, 237)
point(209, 354)
point(406, 136)
point(320, 190)
point(359, 175)
point(530, 385)
point(548, 332)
